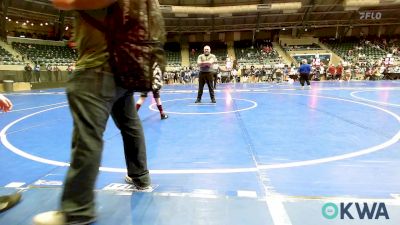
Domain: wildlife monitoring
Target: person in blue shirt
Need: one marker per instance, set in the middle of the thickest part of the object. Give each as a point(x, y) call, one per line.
point(304, 71)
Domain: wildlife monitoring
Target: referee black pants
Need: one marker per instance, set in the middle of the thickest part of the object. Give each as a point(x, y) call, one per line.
point(206, 78)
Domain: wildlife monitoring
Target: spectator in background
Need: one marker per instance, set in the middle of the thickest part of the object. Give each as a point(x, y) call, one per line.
point(339, 71)
point(27, 73)
point(286, 70)
point(331, 72)
point(37, 72)
point(234, 74)
point(252, 74)
point(216, 74)
point(278, 74)
point(70, 69)
point(56, 71)
point(347, 71)
point(49, 70)
point(193, 75)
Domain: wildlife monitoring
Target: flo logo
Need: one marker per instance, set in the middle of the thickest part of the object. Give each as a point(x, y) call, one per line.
point(356, 210)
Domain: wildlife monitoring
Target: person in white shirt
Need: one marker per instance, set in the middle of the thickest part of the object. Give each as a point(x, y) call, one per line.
point(234, 74)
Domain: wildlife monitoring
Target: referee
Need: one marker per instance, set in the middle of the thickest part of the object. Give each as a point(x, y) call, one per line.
point(205, 62)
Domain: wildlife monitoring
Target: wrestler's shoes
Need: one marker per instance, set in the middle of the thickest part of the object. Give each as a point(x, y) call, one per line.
point(164, 116)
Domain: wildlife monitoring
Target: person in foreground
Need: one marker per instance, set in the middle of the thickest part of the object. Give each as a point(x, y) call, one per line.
point(7, 201)
point(93, 95)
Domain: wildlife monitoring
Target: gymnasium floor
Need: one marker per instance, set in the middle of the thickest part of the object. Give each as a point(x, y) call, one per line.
point(265, 154)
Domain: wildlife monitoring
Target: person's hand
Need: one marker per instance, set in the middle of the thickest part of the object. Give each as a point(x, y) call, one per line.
point(5, 104)
point(205, 65)
point(208, 64)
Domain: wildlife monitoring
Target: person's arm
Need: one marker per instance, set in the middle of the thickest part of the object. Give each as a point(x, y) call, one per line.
point(202, 63)
point(81, 4)
point(213, 59)
point(5, 103)
point(199, 60)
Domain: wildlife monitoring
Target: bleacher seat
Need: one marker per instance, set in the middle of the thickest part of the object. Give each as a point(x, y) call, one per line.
point(6, 58)
point(47, 54)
